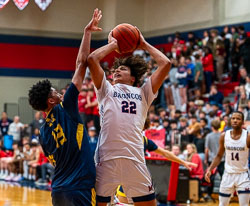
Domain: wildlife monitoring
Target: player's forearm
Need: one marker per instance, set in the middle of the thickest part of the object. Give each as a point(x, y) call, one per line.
point(97, 55)
point(160, 58)
point(170, 156)
point(81, 61)
point(84, 49)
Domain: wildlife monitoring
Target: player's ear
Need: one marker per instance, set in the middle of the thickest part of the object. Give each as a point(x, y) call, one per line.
point(51, 101)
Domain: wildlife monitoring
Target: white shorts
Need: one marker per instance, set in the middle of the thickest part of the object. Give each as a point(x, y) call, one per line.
point(231, 182)
point(133, 176)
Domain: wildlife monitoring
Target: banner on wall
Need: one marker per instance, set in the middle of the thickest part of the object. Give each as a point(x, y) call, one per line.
point(3, 3)
point(43, 4)
point(21, 4)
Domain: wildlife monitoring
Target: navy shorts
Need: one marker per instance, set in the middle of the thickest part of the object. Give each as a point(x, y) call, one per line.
point(74, 198)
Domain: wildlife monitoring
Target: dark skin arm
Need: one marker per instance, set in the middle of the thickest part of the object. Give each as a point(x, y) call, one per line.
point(81, 61)
point(217, 159)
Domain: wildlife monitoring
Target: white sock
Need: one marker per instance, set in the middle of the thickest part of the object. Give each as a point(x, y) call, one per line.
point(33, 177)
point(6, 172)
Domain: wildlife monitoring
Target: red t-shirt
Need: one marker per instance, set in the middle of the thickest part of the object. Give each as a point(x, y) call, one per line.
point(208, 63)
point(2, 154)
point(198, 171)
point(82, 101)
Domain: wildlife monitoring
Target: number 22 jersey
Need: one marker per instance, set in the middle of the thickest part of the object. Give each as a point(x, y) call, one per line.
point(123, 110)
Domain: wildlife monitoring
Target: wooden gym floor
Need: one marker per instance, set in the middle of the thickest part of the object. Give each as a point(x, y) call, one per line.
point(13, 194)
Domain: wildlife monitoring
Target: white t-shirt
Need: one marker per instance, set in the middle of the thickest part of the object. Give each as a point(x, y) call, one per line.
point(15, 130)
point(236, 153)
point(123, 110)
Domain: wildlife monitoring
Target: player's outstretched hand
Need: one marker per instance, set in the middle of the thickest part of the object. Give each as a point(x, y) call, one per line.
point(93, 24)
point(207, 176)
point(142, 44)
point(190, 165)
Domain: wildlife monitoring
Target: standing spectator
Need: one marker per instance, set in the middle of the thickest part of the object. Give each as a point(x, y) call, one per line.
point(211, 149)
point(36, 123)
point(92, 104)
point(220, 59)
point(181, 75)
point(4, 124)
point(93, 138)
point(198, 76)
point(174, 83)
point(208, 66)
point(82, 101)
point(15, 128)
point(235, 59)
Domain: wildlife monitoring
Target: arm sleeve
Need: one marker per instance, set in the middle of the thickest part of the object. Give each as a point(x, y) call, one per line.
point(148, 92)
point(70, 102)
point(104, 89)
point(151, 146)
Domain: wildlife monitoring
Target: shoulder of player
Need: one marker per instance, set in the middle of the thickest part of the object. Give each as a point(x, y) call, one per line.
point(222, 136)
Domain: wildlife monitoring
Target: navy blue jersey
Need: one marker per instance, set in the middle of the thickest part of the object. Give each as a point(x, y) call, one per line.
point(149, 145)
point(64, 140)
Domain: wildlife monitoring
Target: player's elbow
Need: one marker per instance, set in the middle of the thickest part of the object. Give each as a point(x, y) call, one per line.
point(166, 64)
point(91, 60)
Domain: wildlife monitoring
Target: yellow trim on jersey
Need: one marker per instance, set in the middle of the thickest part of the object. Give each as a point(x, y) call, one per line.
point(93, 197)
point(79, 135)
point(61, 104)
point(119, 193)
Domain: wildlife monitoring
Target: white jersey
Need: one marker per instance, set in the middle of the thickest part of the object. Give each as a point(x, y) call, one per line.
point(123, 110)
point(236, 153)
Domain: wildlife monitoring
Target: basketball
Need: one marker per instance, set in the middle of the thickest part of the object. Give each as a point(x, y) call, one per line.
point(127, 36)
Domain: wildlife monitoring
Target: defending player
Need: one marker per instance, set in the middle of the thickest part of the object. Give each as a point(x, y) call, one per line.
point(123, 110)
point(63, 136)
point(236, 144)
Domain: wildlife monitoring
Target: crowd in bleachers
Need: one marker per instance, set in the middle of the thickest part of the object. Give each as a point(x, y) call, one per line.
point(189, 105)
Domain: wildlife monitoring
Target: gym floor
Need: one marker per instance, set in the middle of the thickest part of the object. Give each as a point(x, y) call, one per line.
point(15, 194)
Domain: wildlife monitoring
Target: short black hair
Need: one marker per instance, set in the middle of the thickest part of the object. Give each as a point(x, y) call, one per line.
point(138, 67)
point(241, 113)
point(38, 95)
point(204, 119)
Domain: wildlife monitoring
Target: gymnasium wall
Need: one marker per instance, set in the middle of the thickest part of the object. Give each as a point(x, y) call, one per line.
point(36, 44)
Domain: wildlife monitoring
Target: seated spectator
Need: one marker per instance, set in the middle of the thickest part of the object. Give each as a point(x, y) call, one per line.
point(15, 164)
point(7, 157)
point(193, 157)
point(204, 127)
point(215, 96)
point(176, 150)
point(194, 128)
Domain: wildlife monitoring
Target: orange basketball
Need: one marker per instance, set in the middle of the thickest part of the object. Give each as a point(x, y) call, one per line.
point(127, 36)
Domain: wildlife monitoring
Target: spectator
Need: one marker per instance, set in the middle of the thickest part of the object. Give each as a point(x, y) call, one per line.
point(211, 149)
point(36, 123)
point(198, 76)
point(215, 96)
point(93, 139)
point(15, 128)
point(4, 124)
point(193, 157)
point(208, 67)
point(194, 128)
point(181, 75)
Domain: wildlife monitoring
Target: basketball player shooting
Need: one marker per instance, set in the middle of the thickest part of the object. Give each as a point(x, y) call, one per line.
point(236, 144)
point(123, 109)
